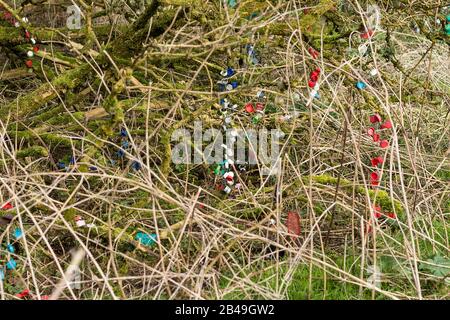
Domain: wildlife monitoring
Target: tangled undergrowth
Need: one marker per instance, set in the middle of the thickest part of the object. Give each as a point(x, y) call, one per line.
point(94, 208)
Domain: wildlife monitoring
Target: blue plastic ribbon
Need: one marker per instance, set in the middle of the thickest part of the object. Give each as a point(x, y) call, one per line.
point(361, 85)
point(136, 165)
point(120, 153)
point(18, 233)
point(10, 248)
point(11, 264)
point(232, 3)
point(146, 239)
point(230, 71)
point(253, 15)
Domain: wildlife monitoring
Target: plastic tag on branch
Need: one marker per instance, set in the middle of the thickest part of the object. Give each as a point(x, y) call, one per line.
point(79, 221)
point(260, 94)
point(136, 165)
point(7, 206)
point(10, 248)
point(373, 17)
point(373, 72)
point(18, 233)
point(123, 132)
point(228, 72)
point(25, 293)
point(232, 3)
point(11, 264)
point(361, 85)
point(362, 49)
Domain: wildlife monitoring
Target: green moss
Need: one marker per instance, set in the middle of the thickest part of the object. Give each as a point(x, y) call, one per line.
point(34, 152)
point(65, 118)
point(443, 174)
point(72, 78)
point(380, 197)
point(45, 93)
point(49, 138)
point(70, 214)
point(49, 114)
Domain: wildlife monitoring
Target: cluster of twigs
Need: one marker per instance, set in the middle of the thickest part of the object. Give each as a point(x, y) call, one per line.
point(85, 134)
